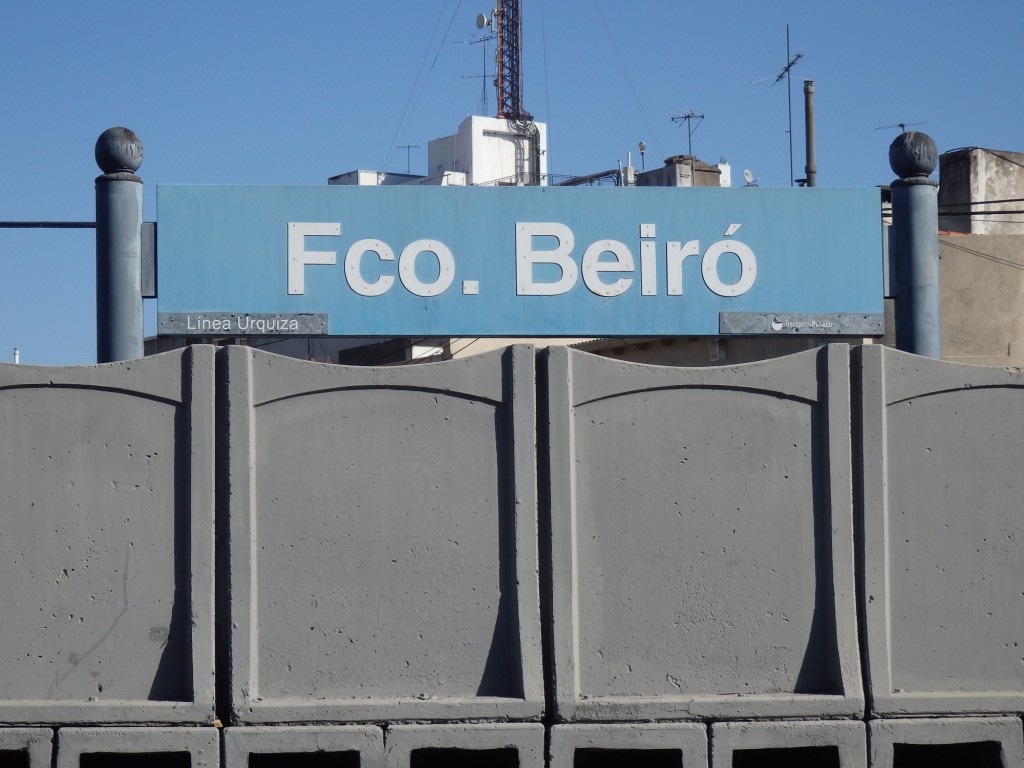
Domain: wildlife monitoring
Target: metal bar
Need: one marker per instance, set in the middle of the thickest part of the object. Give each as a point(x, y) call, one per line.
point(47, 225)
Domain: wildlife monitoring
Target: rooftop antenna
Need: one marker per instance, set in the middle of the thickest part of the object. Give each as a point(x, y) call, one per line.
point(749, 178)
point(643, 148)
point(689, 117)
point(787, 73)
point(507, 23)
point(901, 126)
point(481, 22)
point(408, 148)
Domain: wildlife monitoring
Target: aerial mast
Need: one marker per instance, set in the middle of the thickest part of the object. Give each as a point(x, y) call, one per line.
point(507, 24)
point(508, 27)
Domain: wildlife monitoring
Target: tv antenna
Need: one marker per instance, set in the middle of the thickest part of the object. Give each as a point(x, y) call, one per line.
point(689, 117)
point(786, 73)
point(486, 75)
point(901, 126)
point(408, 148)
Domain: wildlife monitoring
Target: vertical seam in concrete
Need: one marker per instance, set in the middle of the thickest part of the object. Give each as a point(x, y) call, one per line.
point(856, 373)
point(571, 498)
point(252, 513)
point(544, 544)
point(222, 536)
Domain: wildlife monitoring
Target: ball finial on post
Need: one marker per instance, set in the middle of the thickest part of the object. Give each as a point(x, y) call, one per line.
point(118, 150)
point(913, 154)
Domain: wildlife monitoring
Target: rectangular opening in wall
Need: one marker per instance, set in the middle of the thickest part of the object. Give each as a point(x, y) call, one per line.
point(634, 758)
point(14, 758)
point(787, 757)
point(135, 759)
point(465, 758)
point(345, 759)
point(978, 754)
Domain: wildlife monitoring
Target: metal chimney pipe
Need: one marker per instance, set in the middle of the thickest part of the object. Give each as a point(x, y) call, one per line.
point(811, 169)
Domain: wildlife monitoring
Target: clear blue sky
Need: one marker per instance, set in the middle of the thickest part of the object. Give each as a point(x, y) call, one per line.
point(292, 93)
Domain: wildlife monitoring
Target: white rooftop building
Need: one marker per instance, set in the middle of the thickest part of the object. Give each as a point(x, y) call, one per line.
point(486, 151)
point(493, 151)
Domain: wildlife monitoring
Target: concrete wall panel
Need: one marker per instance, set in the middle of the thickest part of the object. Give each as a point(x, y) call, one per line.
point(982, 271)
point(944, 582)
point(702, 539)
point(842, 744)
point(291, 745)
point(383, 530)
point(642, 746)
point(981, 742)
point(28, 747)
point(192, 747)
point(496, 745)
point(106, 541)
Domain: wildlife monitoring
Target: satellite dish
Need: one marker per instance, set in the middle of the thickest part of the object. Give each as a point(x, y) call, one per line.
point(481, 21)
point(748, 177)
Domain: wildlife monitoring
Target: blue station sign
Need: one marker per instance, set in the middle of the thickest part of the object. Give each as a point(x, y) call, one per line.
point(517, 261)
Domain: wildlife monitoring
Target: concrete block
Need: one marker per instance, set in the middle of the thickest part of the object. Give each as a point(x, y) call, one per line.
point(944, 587)
point(179, 747)
point(496, 745)
point(106, 547)
point(648, 745)
point(304, 747)
point(979, 742)
point(793, 744)
point(26, 747)
point(702, 539)
point(383, 540)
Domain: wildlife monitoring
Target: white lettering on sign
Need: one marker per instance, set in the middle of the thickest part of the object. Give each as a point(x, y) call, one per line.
point(354, 272)
point(748, 267)
point(648, 261)
point(407, 268)
point(543, 250)
point(299, 257)
point(231, 324)
point(593, 267)
point(528, 256)
point(675, 254)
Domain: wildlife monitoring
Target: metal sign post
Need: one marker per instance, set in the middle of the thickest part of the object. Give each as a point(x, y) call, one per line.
point(915, 245)
point(118, 247)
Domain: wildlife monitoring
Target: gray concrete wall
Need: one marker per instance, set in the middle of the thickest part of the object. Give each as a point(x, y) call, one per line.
point(106, 541)
point(702, 538)
point(981, 191)
point(982, 283)
point(744, 543)
point(383, 539)
point(943, 446)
